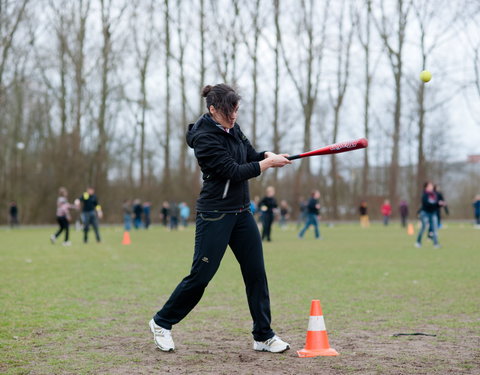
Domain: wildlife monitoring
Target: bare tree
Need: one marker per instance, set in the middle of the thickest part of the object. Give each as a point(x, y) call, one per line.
point(304, 68)
point(144, 43)
point(168, 56)
point(476, 67)
point(224, 49)
point(63, 68)
point(431, 37)
point(392, 32)
point(337, 95)
point(182, 37)
point(77, 56)
point(108, 22)
point(471, 29)
point(252, 48)
point(276, 90)
point(10, 19)
point(202, 31)
point(364, 35)
point(202, 69)
point(12, 16)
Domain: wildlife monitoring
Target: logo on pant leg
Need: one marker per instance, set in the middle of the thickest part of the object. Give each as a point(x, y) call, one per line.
point(205, 259)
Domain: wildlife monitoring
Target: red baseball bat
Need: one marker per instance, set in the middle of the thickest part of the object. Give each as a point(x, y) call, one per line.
point(334, 149)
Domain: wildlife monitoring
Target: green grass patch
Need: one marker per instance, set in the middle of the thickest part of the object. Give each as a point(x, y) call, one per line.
point(71, 309)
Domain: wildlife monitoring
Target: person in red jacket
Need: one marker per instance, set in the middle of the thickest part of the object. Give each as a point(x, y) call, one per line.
point(386, 211)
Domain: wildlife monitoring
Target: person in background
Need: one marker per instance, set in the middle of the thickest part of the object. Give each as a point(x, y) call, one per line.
point(184, 214)
point(302, 212)
point(63, 216)
point(91, 212)
point(267, 205)
point(445, 206)
point(284, 213)
point(147, 208)
point(476, 210)
point(430, 204)
point(313, 212)
point(403, 208)
point(127, 214)
point(363, 210)
point(257, 214)
point(13, 214)
point(253, 207)
point(165, 213)
point(386, 211)
point(174, 215)
point(137, 213)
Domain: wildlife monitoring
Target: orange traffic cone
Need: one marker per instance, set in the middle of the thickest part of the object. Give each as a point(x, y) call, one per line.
point(410, 230)
point(126, 238)
point(317, 339)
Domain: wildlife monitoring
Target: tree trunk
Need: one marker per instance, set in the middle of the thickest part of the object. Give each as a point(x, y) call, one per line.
point(366, 106)
point(202, 32)
point(276, 90)
point(100, 167)
point(183, 94)
point(166, 156)
point(143, 104)
point(79, 63)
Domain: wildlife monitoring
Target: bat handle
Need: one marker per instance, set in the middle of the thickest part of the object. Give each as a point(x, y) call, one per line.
point(293, 157)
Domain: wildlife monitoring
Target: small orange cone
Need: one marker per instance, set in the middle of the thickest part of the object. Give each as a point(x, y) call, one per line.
point(317, 339)
point(410, 230)
point(126, 238)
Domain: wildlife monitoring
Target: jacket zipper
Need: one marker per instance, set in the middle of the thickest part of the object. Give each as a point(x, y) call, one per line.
point(225, 191)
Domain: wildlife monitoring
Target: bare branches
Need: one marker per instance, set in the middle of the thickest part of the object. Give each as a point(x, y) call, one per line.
point(111, 83)
point(8, 31)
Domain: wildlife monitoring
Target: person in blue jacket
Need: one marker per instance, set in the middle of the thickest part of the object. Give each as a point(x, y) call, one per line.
point(429, 215)
point(476, 209)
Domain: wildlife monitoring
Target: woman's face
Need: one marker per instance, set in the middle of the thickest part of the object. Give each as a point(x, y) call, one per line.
point(429, 187)
point(224, 120)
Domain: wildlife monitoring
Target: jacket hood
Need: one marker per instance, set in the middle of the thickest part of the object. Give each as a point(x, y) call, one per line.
point(205, 124)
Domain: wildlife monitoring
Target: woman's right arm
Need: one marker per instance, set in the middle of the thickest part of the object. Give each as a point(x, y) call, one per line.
point(212, 155)
point(273, 161)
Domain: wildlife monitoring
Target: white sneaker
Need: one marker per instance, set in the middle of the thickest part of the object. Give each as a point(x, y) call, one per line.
point(418, 244)
point(273, 345)
point(67, 243)
point(162, 337)
point(53, 238)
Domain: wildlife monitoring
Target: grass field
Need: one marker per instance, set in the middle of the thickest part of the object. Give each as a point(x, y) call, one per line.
point(84, 309)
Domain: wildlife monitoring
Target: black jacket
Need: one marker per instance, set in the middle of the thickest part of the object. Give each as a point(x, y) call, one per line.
point(227, 161)
point(312, 206)
point(89, 202)
point(430, 202)
point(267, 204)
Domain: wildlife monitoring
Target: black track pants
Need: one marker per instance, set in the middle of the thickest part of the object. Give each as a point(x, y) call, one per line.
point(267, 225)
point(63, 223)
point(214, 231)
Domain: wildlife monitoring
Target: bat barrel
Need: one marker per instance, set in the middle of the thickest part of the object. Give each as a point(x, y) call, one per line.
point(334, 149)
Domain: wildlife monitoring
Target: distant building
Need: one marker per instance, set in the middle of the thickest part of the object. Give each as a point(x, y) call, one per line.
point(473, 159)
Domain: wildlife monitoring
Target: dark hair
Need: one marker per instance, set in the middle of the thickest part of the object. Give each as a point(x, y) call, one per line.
point(427, 183)
point(223, 97)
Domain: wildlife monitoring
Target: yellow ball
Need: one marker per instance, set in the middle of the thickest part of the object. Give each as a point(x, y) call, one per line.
point(425, 76)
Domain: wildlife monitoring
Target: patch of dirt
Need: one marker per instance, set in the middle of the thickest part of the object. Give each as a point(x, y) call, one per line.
point(362, 353)
point(129, 350)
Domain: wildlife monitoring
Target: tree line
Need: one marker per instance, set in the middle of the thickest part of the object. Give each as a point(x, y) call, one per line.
point(100, 92)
